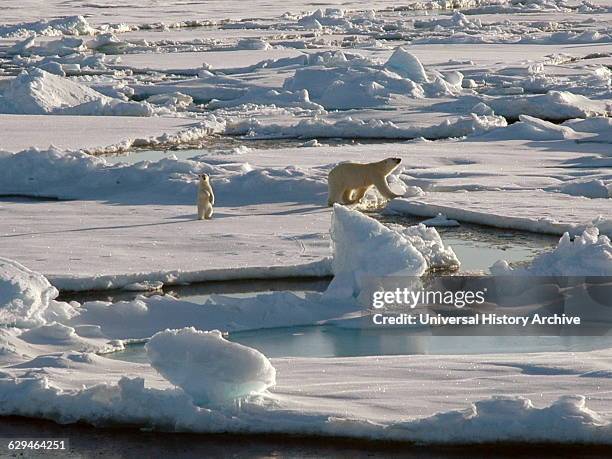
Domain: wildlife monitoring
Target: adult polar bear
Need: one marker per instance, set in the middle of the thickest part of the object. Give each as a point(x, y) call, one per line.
point(349, 182)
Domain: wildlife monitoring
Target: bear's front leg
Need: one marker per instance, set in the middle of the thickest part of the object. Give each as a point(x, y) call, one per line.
point(383, 188)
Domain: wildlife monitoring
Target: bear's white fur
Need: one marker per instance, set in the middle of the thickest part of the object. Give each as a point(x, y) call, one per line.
point(206, 198)
point(349, 182)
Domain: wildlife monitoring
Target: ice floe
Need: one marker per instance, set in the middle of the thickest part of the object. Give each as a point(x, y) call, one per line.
point(130, 401)
point(488, 208)
point(209, 368)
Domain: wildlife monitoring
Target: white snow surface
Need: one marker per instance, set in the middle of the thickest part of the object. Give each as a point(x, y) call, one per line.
point(497, 209)
point(111, 133)
point(555, 105)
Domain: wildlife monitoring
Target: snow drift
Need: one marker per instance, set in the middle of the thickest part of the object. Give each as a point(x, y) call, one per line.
point(587, 255)
point(209, 368)
point(530, 128)
point(554, 106)
point(27, 298)
point(36, 92)
point(594, 189)
point(349, 128)
point(71, 25)
point(344, 83)
point(407, 65)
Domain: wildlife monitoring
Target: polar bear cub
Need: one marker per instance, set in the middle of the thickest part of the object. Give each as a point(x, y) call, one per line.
point(206, 198)
point(349, 182)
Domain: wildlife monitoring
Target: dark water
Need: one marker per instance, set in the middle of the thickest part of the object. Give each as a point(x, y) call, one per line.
point(120, 443)
point(198, 293)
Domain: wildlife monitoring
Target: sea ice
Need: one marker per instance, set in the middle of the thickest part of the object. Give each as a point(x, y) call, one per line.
point(36, 92)
point(553, 106)
point(407, 65)
point(209, 368)
point(363, 247)
point(328, 73)
point(596, 188)
point(531, 128)
point(72, 25)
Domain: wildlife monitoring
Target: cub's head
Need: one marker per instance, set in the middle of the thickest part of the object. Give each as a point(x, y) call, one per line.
point(390, 164)
point(204, 177)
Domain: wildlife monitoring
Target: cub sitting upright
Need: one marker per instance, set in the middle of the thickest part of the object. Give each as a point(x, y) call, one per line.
point(206, 198)
point(349, 182)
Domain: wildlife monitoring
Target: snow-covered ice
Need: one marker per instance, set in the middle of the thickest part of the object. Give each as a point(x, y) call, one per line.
point(209, 368)
point(110, 134)
point(284, 206)
point(305, 398)
point(381, 251)
point(38, 93)
point(500, 111)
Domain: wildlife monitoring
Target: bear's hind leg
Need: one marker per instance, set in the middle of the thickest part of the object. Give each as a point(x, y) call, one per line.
point(347, 196)
point(359, 193)
point(209, 212)
point(334, 195)
point(200, 211)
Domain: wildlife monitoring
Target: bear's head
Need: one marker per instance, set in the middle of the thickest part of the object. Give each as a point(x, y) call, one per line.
point(204, 177)
point(390, 164)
